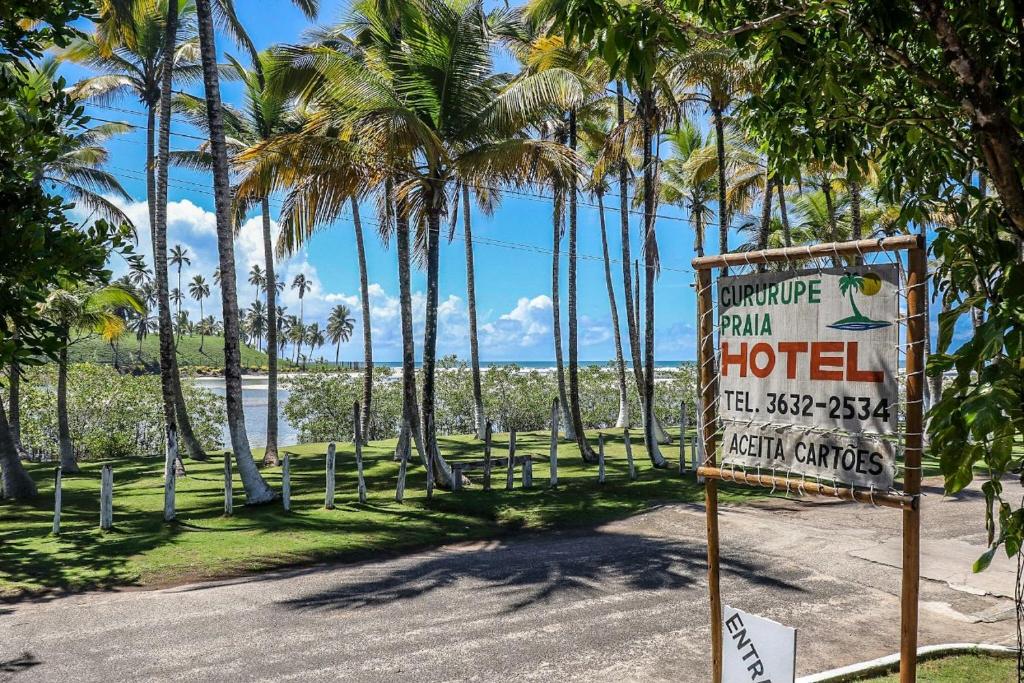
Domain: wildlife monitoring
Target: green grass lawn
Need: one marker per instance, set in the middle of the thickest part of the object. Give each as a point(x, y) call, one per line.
point(143, 551)
point(95, 350)
point(973, 668)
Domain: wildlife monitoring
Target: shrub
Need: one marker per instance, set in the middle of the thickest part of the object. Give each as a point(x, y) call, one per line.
point(111, 414)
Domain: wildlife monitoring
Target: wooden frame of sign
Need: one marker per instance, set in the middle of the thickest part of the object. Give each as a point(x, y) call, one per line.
point(907, 501)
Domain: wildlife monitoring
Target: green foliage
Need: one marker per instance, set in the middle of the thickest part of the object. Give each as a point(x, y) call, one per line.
point(320, 404)
point(111, 415)
point(211, 358)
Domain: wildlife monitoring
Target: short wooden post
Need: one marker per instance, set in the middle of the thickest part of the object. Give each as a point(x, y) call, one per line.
point(600, 457)
point(107, 496)
point(170, 473)
point(286, 482)
point(487, 456)
point(456, 476)
point(682, 437)
point(510, 471)
point(229, 492)
point(629, 456)
point(553, 456)
point(359, 453)
point(57, 493)
point(403, 467)
point(329, 477)
point(527, 472)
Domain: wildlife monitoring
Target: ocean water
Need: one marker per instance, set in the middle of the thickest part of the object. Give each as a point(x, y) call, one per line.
point(254, 398)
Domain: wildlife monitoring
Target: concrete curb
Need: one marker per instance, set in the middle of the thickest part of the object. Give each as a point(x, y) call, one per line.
point(891, 663)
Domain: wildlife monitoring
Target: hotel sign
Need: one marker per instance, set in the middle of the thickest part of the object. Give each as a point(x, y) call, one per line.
point(804, 355)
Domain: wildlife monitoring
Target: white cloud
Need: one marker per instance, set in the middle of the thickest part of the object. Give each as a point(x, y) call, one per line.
point(525, 325)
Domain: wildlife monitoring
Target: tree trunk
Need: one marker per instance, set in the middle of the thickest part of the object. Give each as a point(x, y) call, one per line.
point(830, 209)
point(651, 268)
point(575, 412)
point(14, 399)
point(479, 419)
point(68, 463)
point(364, 293)
point(622, 421)
point(856, 222)
point(270, 457)
point(175, 412)
point(442, 474)
point(698, 234)
point(787, 235)
point(256, 489)
point(16, 481)
point(627, 278)
point(766, 220)
point(556, 308)
point(410, 404)
point(723, 202)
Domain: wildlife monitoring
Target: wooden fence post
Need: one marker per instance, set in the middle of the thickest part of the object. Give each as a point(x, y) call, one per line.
point(600, 457)
point(329, 477)
point(553, 457)
point(487, 456)
point(629, 456)
point(682, 437)
point(107, 496)
point(527, 472)
point(359, 454)
point(170, 473)
point(229, 490)
point(286, 482)
point(510, 471)
point(456, 477)
point(58, 474)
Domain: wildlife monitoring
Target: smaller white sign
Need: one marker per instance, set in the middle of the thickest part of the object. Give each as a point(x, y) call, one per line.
point(756, 650)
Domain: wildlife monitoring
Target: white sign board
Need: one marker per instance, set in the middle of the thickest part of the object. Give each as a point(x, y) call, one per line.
point(756, 650)
point(814, 349)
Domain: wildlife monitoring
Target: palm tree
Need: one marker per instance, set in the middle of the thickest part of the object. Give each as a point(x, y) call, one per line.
point(179, 259)
point(364, 300)
point(314, 339)
point(257, 319)
point(198, 289)
point(82, 309)
point(339, 328)
point(682, 185)
point(302, 284)
point(257, 278)
point(139, 273)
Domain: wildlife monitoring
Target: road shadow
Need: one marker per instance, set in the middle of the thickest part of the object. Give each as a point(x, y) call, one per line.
point(11, 667)
point(539, 570)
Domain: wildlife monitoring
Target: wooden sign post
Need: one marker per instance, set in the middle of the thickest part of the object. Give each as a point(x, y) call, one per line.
point(816, 396)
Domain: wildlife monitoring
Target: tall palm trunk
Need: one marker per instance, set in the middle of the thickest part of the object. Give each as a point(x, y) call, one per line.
point(856, 222)
point(830, 209)
point(766, 219)
point(410, 404)
point(575, 413)
point(787, 235)
point(175, 412)
point(474, 347)
point(270, 453)
point(256, 489)
point(14, 400)
point(364, 293)
point(16, 481)
point(627, 277)
point(556, 309)
point(68, 463)
point(651, 271)
point(622, 421)
point(442, 474)
point(723, 202)
point(698, 234)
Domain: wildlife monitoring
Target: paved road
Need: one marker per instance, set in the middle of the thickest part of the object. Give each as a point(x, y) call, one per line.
point(625, 602)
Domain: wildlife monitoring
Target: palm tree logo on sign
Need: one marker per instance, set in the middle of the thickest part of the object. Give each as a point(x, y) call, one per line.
point(868, 284)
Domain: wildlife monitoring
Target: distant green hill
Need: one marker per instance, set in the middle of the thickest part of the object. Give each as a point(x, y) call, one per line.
point(95, 350)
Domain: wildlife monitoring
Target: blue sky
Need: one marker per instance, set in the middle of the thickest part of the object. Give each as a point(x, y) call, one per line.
point(513, 284)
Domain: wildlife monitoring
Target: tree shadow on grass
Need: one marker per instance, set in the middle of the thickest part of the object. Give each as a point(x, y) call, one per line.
point(539, 569)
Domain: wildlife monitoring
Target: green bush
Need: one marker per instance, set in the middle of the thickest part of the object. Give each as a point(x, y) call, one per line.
point(320, 404)
point(111, 414)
